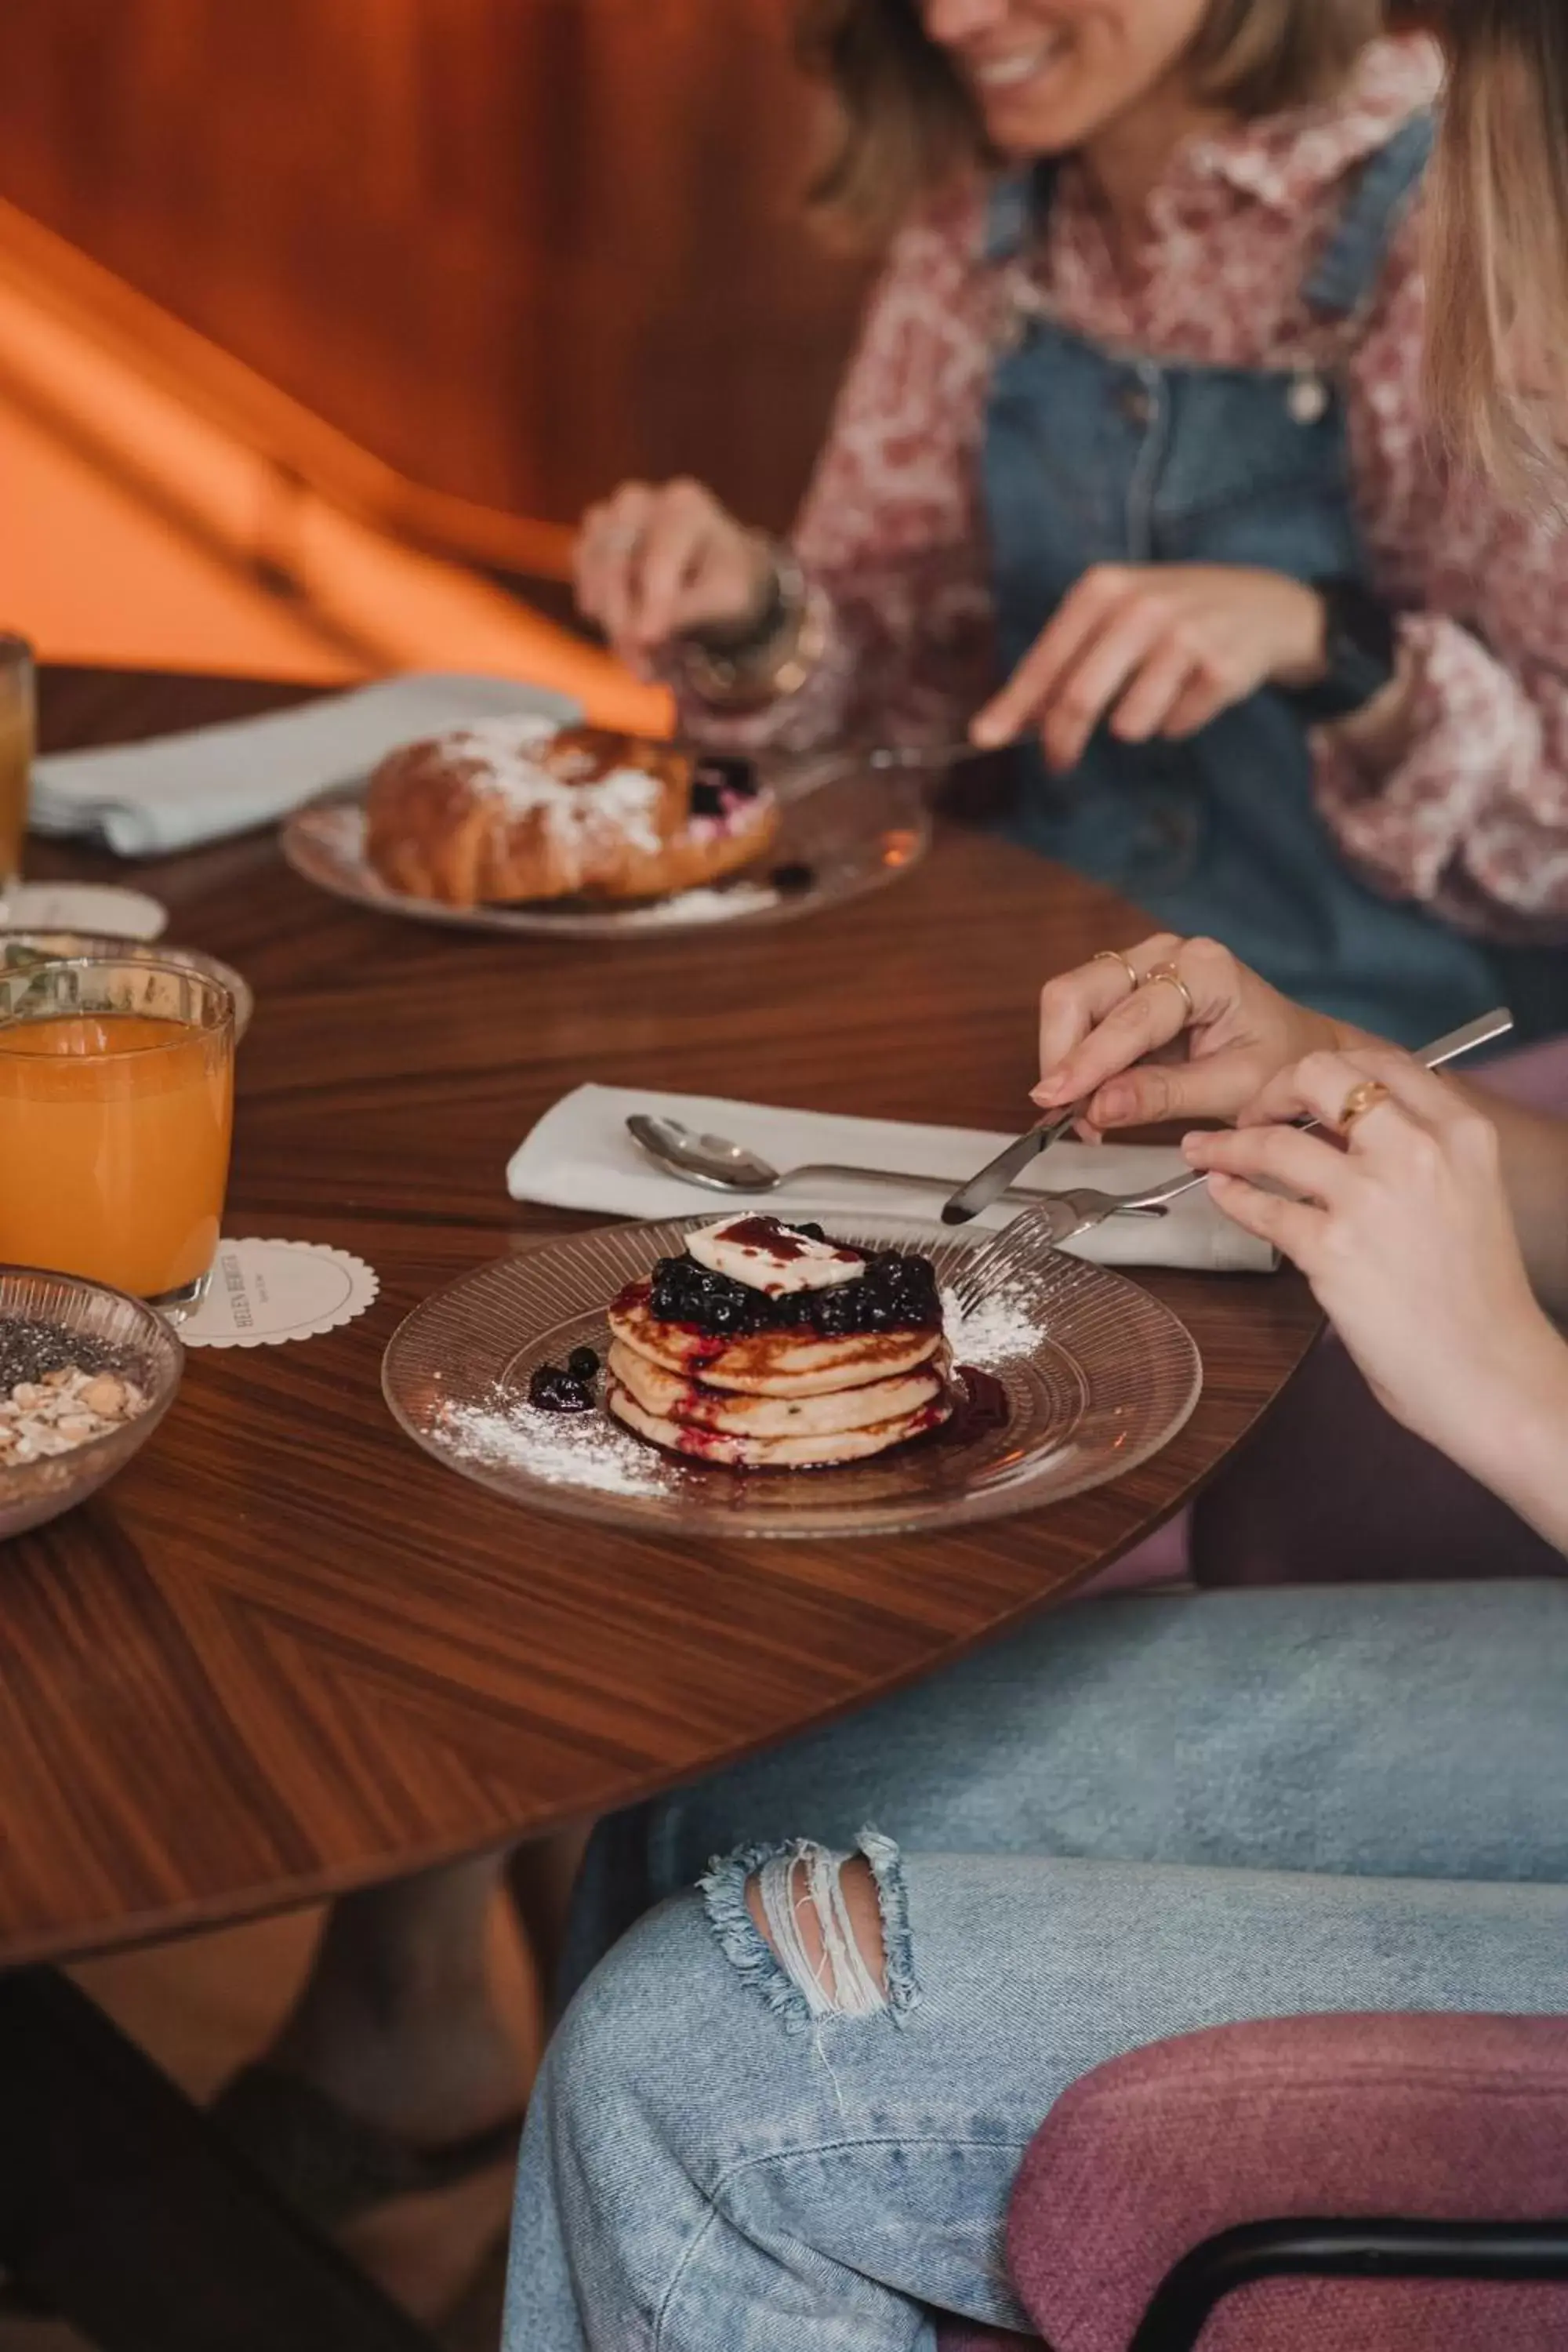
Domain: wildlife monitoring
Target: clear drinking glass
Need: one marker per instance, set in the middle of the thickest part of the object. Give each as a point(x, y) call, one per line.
point(17, 733)
point(116, 1110)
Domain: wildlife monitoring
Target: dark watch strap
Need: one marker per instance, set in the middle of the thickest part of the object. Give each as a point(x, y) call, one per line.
point(774, 656)
point(1361, 648)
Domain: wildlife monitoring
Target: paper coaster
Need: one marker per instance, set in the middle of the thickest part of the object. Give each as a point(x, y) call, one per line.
point(83, 906)
point(262, 1293)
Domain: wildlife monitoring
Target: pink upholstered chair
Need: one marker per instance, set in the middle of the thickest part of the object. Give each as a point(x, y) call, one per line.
point(1313, 2184)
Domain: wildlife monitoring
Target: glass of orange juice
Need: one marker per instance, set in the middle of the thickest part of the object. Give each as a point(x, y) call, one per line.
point(116, 1108)
point(16, 723)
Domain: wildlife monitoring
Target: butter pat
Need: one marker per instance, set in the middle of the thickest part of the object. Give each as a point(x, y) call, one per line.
point(773, 1258)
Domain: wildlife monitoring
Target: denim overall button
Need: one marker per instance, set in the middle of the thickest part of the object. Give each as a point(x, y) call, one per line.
point(1308, 400)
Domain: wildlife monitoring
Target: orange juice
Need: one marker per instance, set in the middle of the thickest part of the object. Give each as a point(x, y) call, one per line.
point(114, 1139)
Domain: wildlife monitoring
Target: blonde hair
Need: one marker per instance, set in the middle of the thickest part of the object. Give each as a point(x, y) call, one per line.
point(906, 123)
point(1497, 262)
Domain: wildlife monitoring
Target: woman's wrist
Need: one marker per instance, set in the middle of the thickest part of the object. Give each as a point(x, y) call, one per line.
point(1511, 1425)
point(1304, 657)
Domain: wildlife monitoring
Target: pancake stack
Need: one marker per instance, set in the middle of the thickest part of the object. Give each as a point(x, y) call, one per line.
point(769, 1347)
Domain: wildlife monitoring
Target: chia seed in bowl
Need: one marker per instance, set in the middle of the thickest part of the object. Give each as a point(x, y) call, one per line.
point(30, 1350)
point(86, 1375)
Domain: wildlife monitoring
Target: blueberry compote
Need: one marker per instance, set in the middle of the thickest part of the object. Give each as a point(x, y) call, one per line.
point(982, 1407)
point(721, 781)
point(896, 1293)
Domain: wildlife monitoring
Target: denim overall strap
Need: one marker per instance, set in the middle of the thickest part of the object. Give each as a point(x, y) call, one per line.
point(1014, 210)
point(1354, 258)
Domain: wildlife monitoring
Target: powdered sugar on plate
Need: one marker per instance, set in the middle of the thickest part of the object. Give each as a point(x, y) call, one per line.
point(560, 1449)
point(339, 827)
point(704, 905)
point(1003, 1327)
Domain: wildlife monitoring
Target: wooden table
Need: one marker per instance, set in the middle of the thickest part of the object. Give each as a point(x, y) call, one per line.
point(286, 1654)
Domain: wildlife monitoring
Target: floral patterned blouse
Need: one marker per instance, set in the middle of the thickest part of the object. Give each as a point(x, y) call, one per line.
point(1470, 813)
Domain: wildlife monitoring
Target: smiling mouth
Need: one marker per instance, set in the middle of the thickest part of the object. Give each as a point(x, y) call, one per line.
point(1022, 66)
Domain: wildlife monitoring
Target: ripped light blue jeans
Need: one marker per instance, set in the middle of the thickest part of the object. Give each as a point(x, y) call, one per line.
point(1131, 1820)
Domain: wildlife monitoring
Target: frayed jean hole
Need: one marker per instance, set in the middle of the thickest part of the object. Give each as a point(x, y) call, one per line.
point(820, 1914)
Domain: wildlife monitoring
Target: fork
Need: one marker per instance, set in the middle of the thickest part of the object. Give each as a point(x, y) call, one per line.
point(1060, 1217)
point(1054, 1218)
point(930, 759)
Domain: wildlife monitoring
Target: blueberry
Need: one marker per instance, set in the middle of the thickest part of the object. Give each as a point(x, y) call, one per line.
point(553, 1391)
point(812, 1232)
point(835, 1312)
point(583, 1364)
point(791, 881)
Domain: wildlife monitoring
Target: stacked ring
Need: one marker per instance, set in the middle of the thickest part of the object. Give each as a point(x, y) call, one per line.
point(1362, 1098)
point(1114, 955)
point(1168, 973)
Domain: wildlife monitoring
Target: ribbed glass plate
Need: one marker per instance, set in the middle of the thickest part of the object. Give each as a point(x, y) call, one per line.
point(848, 830)
point(1098, 1377)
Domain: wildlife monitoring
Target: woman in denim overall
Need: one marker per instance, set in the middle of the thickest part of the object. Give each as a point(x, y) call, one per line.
point(1085, 435)
point(1095, 456)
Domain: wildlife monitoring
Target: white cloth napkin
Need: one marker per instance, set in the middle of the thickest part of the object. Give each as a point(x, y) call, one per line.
point(147, 800)
point(580, 1156)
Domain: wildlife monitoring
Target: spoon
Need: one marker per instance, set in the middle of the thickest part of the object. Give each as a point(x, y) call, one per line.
point(713, 1161)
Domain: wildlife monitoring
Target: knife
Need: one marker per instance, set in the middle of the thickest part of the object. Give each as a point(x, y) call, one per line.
point(982, 1190)
point(997, 1174)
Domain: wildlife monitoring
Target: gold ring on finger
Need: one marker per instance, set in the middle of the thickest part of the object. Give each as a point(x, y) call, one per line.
point(1172, 978)
point(1114, 955)
point(1362, 1098)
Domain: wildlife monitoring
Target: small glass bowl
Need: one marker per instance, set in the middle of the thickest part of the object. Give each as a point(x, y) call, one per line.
point(70, 947)
point(33, 1491)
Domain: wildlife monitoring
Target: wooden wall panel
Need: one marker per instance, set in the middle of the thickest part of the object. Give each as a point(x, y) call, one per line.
point(517, 247)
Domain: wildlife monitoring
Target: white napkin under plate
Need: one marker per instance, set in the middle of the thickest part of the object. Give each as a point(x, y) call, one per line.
point(579, 1156)
point(147, 800)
